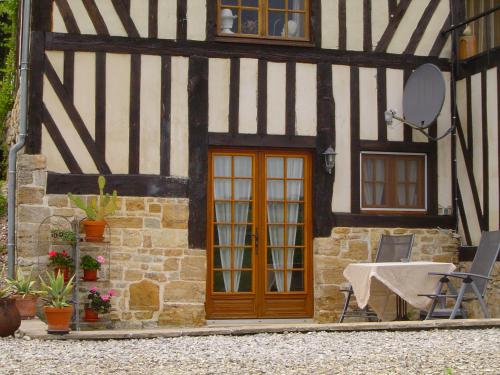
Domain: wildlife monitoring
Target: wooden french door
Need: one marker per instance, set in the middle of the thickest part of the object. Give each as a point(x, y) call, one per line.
point(259, 234)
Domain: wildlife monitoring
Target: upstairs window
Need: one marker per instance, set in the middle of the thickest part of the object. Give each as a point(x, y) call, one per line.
point(393, 182)
point(264, 19)
point(486, 30)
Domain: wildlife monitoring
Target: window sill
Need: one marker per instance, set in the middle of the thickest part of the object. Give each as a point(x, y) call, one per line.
point(279, 42)
point(393, 220)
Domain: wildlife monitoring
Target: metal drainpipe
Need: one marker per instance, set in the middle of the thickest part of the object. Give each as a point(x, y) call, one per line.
point(23, 113)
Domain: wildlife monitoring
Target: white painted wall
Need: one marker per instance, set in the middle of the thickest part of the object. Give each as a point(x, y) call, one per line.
point(167, 19)
point(341, 201)
point(218, 95)
point(380, 19)
point(477, 134)
point(330, 24)
point(354, 21)
point(58, 25)
point(150, 117)
point(368, 104)
point(179, 145)
point(84, 88)
point(493, 147)
point(276, 98)
point(196, 19)
point(462, 106)
point(82, 17)
point(139, 12)
point(407, 26)
point(111, 19)
point(248, 96)
point(433, 29)
point(395, 86)
point(306, 111)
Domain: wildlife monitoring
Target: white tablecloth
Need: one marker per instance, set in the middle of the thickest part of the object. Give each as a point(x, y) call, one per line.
point(374, 284)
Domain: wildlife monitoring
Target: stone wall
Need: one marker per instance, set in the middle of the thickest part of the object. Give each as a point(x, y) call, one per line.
point(158, 280)
point(349, 245)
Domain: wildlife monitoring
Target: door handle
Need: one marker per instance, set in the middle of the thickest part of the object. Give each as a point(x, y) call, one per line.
point(256, 237)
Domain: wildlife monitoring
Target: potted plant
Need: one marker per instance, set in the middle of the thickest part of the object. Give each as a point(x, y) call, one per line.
point(98, 303)
point(62, 263)
point(57, 309)
point(25, 295)
point(63, 236)
point(10, 320)
point(96, 211)
point(90, 266)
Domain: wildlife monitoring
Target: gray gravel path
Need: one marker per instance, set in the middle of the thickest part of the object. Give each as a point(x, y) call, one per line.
point(422, 352)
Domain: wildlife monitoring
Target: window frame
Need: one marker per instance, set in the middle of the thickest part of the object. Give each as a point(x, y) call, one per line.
point(391, 183)
point(261, 38)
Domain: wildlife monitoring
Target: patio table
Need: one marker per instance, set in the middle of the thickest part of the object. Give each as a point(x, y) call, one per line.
point(378, 284)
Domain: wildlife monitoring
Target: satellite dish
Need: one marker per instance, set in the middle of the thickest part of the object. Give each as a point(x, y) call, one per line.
point(423, 96)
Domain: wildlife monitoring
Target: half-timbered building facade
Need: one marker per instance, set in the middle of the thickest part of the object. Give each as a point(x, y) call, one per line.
point(210, 118)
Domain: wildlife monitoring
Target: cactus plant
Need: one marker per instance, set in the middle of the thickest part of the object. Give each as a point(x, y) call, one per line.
point(97, 209)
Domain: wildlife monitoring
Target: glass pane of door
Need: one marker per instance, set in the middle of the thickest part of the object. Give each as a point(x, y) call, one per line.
point(233, 223)
point(285, 223)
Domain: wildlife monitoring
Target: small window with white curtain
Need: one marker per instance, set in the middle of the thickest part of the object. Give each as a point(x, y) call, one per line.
point(393, 182)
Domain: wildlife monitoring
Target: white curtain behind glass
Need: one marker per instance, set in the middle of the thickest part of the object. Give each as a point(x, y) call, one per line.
point(374, 191)
point(407, 174)
point(297, 17)
point(295, 169)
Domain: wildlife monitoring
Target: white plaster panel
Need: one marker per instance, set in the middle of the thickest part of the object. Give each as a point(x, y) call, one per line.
point(84, 88)
point(196, 15)
point(446, 52)
point(462, 106)
point(354, 22)
point(306, 111)
point(82, 17)
point(493, 147)
point(219, 71)
point(167, 19)
point(444, 149)
point(66, 128)
point(179, 146)
point(58, 25)
point(276, 98)
point(368, 104)
point(248, 96)
point(56, 58)
point(380, 19)
point(150, 115)
point(395, 86)
point(341, 201)
point(111, 19)
point(55, 162)
point(407, 26)
point(117, 111)
point(468, 201)
point(139, 12)
point(477, 134)
point(433, 28)
point(330, 24)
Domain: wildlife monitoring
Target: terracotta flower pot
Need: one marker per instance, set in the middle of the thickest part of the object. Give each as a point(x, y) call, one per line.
point(94, 230)
point(89, 275)
point(10, 320)
point(26, 306)
point(91, 315)
point(64, 271)
point(58, 319)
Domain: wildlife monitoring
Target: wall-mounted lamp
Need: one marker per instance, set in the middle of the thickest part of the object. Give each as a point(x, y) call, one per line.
point(329, 155)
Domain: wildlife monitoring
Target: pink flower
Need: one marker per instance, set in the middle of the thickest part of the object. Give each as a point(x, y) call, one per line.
point(111, 293)
point(93, 290)
point(105, 298)
point(64, 253)
point(52, 254)
point(100, 259)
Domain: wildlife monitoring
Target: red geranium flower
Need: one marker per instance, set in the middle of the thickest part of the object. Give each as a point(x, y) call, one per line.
point(52, 254)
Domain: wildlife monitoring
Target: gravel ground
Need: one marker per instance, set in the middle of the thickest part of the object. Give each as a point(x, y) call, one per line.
point(422, 352)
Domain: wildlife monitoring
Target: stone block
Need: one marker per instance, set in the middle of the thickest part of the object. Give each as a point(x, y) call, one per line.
point(341, 230)
point(29, 162)
point(171, 264)
point(132, 238)
point(30, 195)
point(182, 315)
point(152, 223)
point(144, 296)
point(156, 276)
point(58, 200)
point(146, 242)
point(175, 216)
point(133, 275)
point(194, 268)
point(154, 208)
point(125, 222)
point(185, 291)
point(120, 257)
point(399, 231)
point(327, 246)
point(143, 315)
point(445, 258)
point(357, 250)
point(32, 214)
point(170, 238)
point(66, 212)
point(134, 204)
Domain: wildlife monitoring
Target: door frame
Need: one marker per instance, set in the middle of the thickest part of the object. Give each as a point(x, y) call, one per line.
point(238, 301)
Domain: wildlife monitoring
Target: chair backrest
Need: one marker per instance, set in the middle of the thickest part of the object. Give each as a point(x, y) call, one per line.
point(394, 248)
point(484, 260)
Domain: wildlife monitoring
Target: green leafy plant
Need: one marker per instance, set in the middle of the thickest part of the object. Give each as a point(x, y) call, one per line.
point(61, 259)
point(448, 371)
point(57, 292)
point(90, 263)
point(5, 288)
point(63, 235)
point(100, 303)
point(22, 285)
point(3, 201)
point(98, 208)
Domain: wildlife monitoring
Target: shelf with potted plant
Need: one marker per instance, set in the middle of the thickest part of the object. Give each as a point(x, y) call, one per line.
point(25, 293)
point(58, 308)
point(97, 303)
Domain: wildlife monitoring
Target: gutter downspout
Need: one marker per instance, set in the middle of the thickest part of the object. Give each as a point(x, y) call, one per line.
point(11, 198)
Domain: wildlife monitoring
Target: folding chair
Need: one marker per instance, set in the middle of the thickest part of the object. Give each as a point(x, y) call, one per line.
point(390, 249)
point(474, 282)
